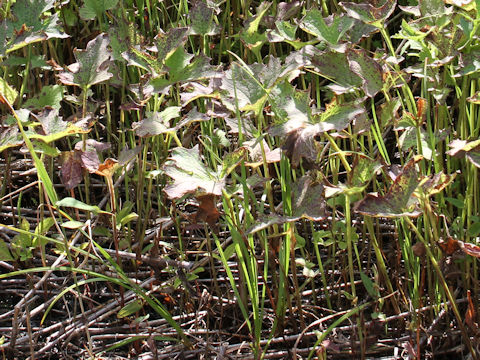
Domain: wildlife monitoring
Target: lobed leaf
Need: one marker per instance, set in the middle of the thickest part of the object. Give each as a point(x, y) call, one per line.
point(372, 12)
point(190, 175)
point(91, 66)
point(398, 199)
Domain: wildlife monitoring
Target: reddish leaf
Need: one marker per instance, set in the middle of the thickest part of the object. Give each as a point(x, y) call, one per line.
point(449, 246)
point(469, 249)
point(71, 171)
point(207, 210)
point(107, 168)
point(471, 314)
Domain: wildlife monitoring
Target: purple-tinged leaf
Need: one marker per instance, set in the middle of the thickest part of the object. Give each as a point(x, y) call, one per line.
point(398, 200)
point(167, 43)
point(436, 183)
point(471, 150)
point(201, 20)
point(307, 200)
point(257, 155)
point(334, 66)
point(367, 69)
point(71, 171)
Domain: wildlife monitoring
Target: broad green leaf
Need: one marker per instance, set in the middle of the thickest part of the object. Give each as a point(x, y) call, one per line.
point(331, 29)
point(308, 202)
point(374, 13)
point(242, 88)
point(190, 175)
point(169, 42)
point(363, 170)
point(231, 161)
point(201, 20)
point(92, 9)
point(50, 95)
point(367, 69)
point(91, 66)
point(42, 229)
point(398, 200)
point(284, 30)
point(30, 25)
point(183, 67)
point(77, 204)
point(474, 230)
point(9, 92)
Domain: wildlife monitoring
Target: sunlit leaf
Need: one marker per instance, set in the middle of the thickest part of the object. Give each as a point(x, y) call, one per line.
point(190, 175)
point(169, 42)
point(91, 66)
point(157, 122)
point(77, 204)
point(299, 127)
point(471, 150)
point(7, 91)
point(436, 183)
point(257, 156)
point(73, 224)
point(5, 254)
point(107, 168)
point(130, 308)
point(398, 200)
point(331, 29)
point(308, 200)
point(363, 170)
